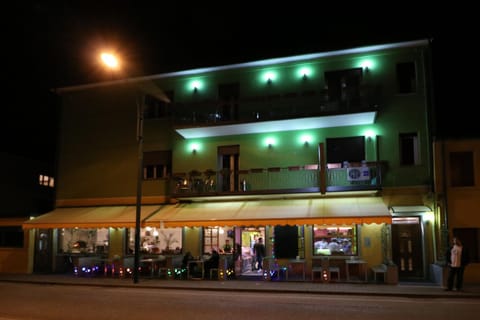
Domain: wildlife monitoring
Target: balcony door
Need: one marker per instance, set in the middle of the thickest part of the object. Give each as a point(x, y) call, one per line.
point(228, 164)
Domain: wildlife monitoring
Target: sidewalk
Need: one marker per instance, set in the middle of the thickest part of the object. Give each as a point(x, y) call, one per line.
point(401, 289)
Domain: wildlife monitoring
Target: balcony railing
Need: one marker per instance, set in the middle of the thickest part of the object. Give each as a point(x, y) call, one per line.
point(272, 107)
point(293, 179)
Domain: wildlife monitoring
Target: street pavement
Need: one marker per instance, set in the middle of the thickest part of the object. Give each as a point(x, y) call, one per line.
point(354, 288)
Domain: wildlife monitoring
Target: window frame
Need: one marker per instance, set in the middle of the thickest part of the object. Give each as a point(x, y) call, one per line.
point(320, 232)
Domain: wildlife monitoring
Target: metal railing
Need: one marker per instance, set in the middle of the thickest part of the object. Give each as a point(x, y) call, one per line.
point(275, 180)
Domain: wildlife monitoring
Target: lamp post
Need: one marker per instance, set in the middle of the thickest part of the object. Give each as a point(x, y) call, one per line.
point(112, 63)
point(136, 264)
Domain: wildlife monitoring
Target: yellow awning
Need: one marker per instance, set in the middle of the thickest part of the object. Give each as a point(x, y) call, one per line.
point(91, 217)
point(338, 211)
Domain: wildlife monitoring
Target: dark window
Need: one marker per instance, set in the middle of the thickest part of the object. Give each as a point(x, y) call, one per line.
point(351, 149)
point(11, 236)
point(157, 164)
point(228, 95)
point(286, 242)
point(470, 238)
point(409, 153)
point(406, 77)
point(157, 107)
point(461, 169)
point(344, 86)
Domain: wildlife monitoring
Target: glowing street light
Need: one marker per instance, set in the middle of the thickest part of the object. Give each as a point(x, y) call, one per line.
point(110, 60)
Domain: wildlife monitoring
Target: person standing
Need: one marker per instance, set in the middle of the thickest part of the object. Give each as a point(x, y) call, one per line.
point(227, 247)
point(457, 259)
point(259, 251)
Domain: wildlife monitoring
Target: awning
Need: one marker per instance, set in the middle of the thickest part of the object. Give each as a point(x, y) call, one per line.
point(91, 217)
point(410, 209)
point(339, 211)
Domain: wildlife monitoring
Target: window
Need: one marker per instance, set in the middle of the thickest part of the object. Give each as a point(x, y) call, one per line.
point(155, 107)
point(83, 240)
point(11, 237)
point(47, 181)
point(406, 77)
point(288, 242)
point(470, 238)
point(344, 86)
point(328, 241)
point(157, 164)
point(228, 94)
point(351, 149)
point(155, 240)
point(461, 169)
point(409, 149)
point(210, 239)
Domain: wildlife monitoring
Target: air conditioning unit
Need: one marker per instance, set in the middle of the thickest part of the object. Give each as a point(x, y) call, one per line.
point(358, 174)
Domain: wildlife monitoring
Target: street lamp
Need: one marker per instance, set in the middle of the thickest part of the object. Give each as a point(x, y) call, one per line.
point(111, 62)
point(147, 87)
point(136, 264)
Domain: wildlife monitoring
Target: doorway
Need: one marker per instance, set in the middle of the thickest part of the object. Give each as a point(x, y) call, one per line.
point(407, 248)
point(249, 236)
point(43, 251)
point(228, 163)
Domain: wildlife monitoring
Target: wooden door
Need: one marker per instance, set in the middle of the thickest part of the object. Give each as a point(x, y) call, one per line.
point(407, 248)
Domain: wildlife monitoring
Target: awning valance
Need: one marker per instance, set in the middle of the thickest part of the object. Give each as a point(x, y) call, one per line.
point(410, 209)
point(91, 217)
point(338, 211)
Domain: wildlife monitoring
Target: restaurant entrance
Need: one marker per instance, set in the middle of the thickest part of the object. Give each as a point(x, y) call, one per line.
point(249, 236)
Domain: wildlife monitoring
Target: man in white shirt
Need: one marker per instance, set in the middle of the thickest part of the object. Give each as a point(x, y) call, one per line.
point(457, 259)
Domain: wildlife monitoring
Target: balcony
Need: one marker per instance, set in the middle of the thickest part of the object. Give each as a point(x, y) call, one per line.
point(204, 113)
point(277, 180)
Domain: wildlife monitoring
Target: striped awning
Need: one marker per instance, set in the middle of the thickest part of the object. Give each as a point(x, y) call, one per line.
point(323, 211)
point(339, 211)
point(91, 217)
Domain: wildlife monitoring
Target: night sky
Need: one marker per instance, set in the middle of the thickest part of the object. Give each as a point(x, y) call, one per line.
point(50, 44)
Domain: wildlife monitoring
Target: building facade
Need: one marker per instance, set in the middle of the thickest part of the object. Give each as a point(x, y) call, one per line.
point(27, 189)
point(327, 157)
point(456, 189)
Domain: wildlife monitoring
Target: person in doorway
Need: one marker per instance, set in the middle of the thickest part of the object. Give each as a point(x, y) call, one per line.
point(457, 259)
point(227, 247)
point(237, 251)
point(259, 252)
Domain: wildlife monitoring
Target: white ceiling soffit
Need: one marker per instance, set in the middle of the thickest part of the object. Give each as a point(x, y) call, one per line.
point(408, 209)
point(353, 119)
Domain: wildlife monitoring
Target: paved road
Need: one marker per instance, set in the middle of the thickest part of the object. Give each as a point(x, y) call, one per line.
point(36, 300)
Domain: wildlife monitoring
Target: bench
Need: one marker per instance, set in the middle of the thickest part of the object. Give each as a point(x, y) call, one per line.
point(379, 269)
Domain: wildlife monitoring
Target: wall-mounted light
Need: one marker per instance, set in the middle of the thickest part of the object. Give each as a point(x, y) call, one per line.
point(195, 86)
point(304, 73)
point(269, 77)
point(366, 65)
point(194, 147)
point(306, 139)
point(369, 134)
point(270, 142)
